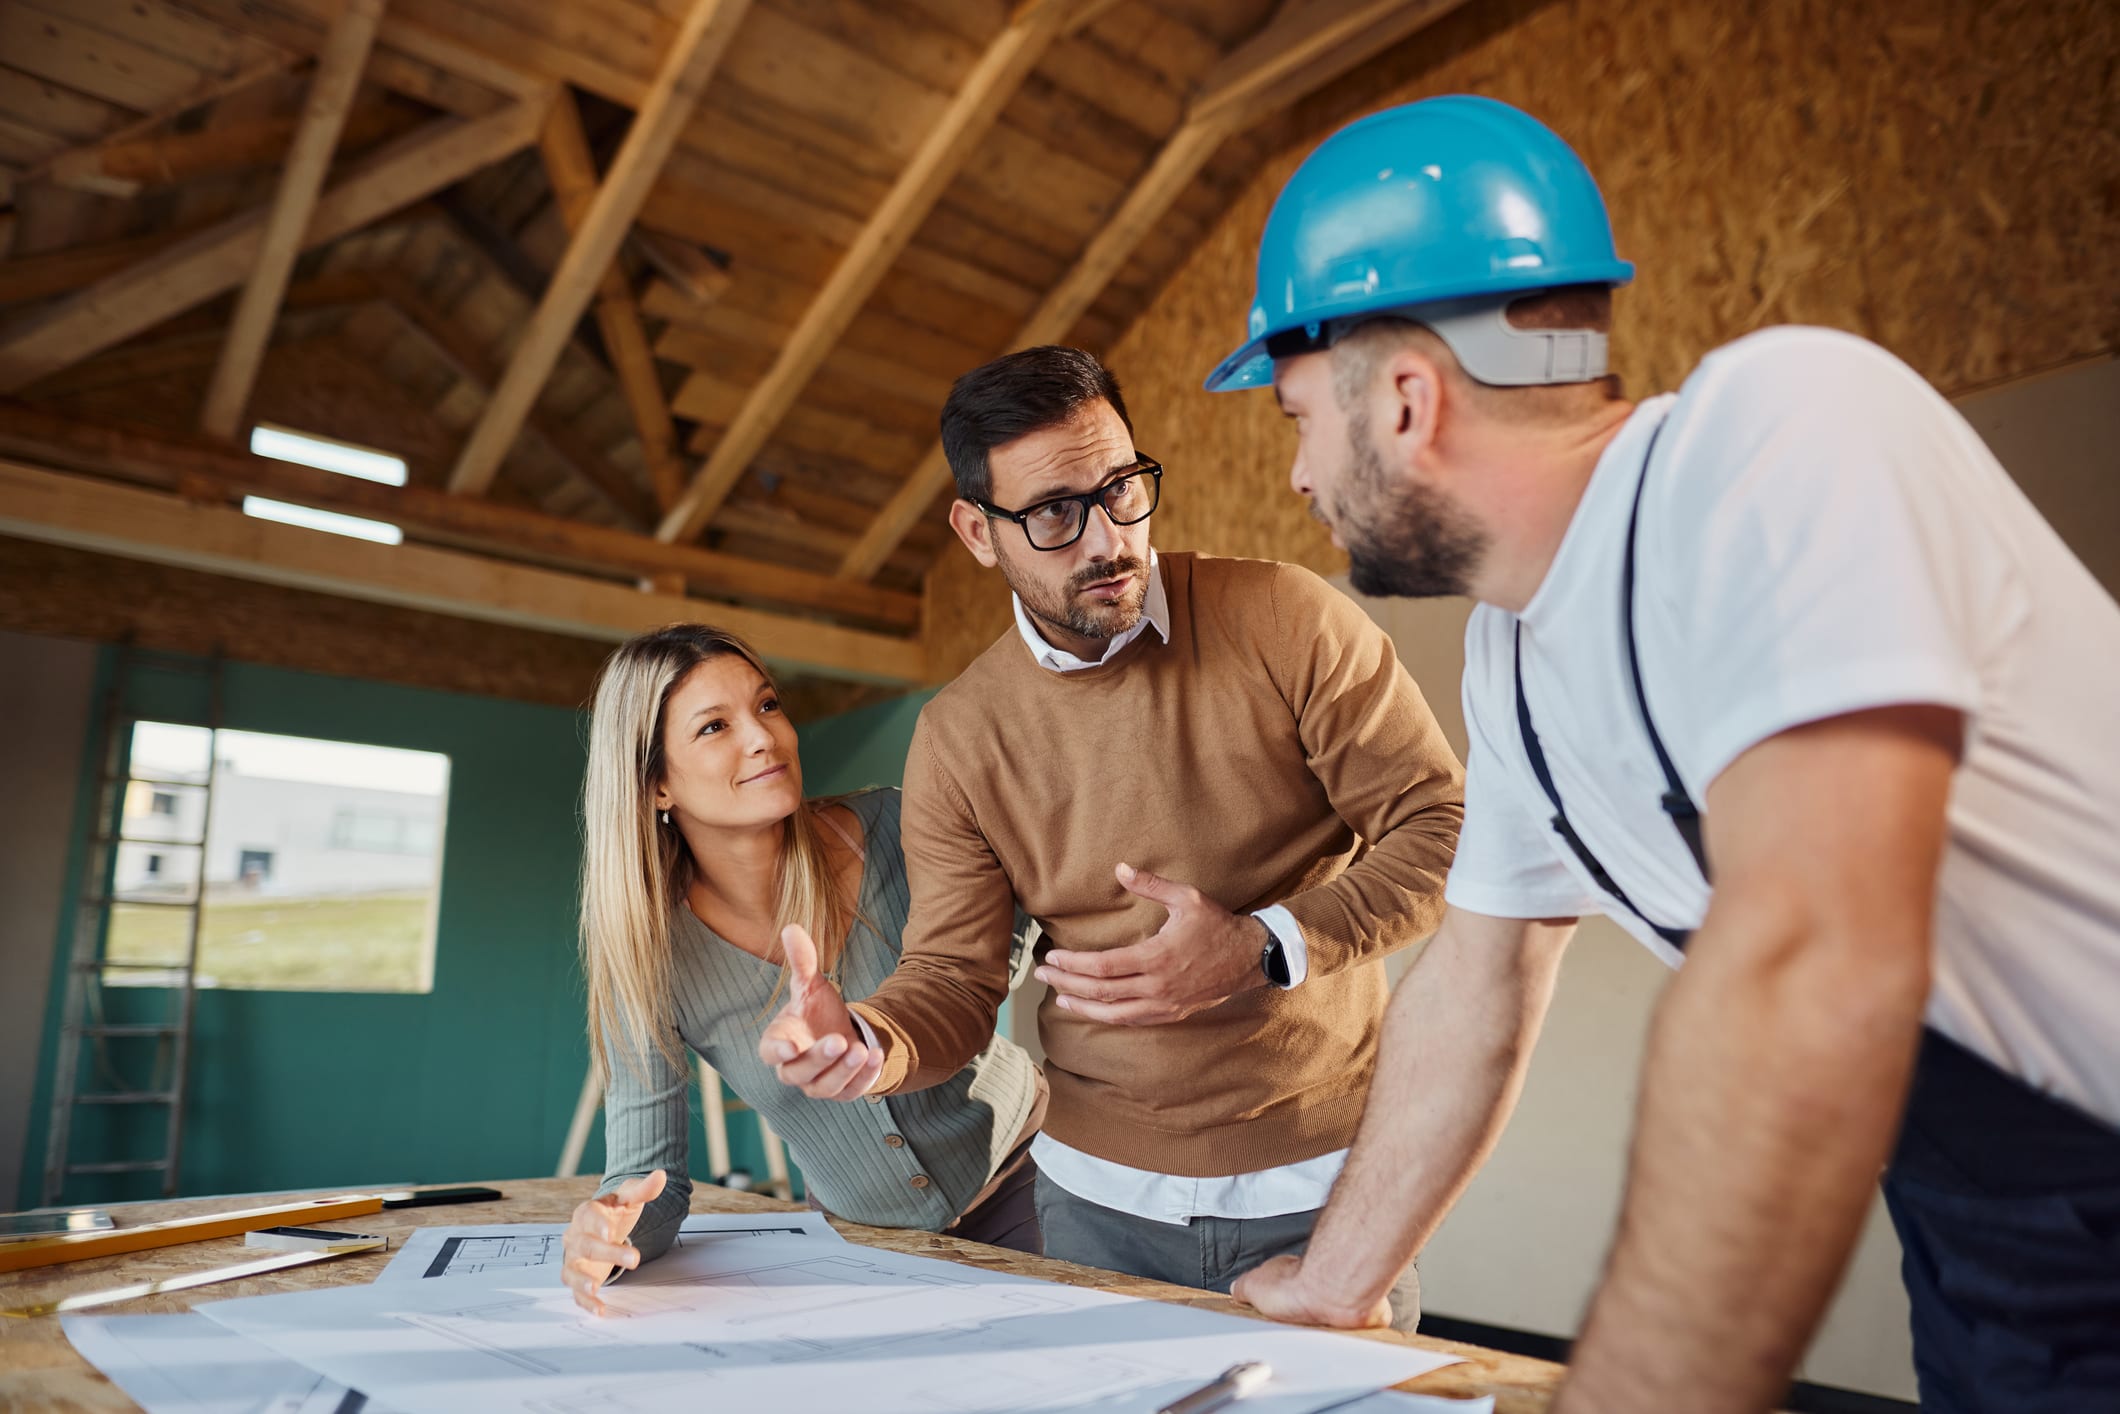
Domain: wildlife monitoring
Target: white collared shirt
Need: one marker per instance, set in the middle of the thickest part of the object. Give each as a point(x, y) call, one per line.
point(1162, 1197)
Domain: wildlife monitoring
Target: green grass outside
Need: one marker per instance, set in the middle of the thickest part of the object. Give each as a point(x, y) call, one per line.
point(370, 943)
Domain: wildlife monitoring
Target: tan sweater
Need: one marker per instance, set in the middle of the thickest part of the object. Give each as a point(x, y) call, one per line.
point(1273, 751)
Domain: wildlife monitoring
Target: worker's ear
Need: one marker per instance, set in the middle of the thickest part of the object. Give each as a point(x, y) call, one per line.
point(1408, 403)
point(974, 529)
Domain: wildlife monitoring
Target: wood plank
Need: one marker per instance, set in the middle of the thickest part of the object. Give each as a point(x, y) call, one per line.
point(1345, 31)
point(688, 268)
point(120, 166)
point(168, 30)
point(164, 460)
point(971, 112)
point(690, 62)
point(37, 102)
point(572, 172)
point(217, 259)
point(72, 510)
point(106, 66)
point(331, 91)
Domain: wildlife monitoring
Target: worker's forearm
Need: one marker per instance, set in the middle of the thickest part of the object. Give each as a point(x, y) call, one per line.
point(1774, 1084)
point(1456, 1044)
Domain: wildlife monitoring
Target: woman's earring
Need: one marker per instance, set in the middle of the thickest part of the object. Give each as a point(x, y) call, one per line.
point(666, 817)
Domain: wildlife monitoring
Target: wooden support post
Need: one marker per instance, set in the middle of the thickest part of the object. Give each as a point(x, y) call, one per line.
point(331, 90)
point(699, 45)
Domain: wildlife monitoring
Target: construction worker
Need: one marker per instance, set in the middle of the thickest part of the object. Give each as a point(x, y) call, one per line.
point(1782, 673)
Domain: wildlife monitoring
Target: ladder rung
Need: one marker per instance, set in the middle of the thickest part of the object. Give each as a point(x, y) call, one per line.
point(127, 1097)
point(142, 902)
point(129, 1166)
point(159, 1028)
point(122, 838)
point(161, 781)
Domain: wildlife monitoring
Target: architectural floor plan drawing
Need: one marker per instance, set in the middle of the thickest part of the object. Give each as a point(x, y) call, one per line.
point(780, 1323)
point(467, 1251)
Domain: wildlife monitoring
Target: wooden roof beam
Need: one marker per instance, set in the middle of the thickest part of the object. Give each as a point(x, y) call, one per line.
point(572, 172)
point(974, 108)
point(219, 258)
point(1310, 41)
point(160, 459)
point(698, 47)
point(50, 506)
point(331, 91)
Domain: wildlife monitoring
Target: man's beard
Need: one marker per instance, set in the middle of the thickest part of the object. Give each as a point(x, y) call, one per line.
point(1066, 608)
point(1407, 542)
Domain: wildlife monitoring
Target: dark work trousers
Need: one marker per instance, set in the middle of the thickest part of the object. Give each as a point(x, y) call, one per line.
point(1207, 1253)
point(2007, 1203)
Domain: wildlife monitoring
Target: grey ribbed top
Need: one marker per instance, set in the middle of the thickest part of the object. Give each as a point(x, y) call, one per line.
point(907, 1160)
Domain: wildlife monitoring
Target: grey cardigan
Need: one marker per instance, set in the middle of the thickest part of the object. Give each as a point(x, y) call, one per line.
point(908, 1160)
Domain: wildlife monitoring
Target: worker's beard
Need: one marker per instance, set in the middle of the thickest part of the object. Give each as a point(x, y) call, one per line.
point(1404, 541)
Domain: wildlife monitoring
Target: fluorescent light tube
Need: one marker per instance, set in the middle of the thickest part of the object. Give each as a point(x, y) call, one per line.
point(287, 445)
point(382, 532)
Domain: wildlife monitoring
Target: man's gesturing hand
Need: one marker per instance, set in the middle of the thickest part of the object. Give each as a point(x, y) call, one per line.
point(1202, 956)
point(595, 1241)
point(813, 1043)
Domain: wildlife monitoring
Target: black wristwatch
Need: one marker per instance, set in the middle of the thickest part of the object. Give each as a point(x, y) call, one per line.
point(1272, 960)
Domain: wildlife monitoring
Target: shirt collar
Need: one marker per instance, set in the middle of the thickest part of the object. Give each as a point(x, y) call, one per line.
point(1155, 614)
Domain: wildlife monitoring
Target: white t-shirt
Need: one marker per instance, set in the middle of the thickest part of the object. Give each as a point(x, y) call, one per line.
point(1821, 534)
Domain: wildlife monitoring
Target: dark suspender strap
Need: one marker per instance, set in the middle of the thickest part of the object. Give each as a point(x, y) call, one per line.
point(1677, 802)
point(1676, 937)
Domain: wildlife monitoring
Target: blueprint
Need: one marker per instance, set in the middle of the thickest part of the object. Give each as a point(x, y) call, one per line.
point(785, 1322)
point(463, 1251)
point(189, 1365)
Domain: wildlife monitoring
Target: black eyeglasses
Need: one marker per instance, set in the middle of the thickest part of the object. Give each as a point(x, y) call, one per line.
point(1130, 496)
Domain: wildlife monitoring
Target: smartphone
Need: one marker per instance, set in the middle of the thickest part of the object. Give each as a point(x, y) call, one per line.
point(19, 1227)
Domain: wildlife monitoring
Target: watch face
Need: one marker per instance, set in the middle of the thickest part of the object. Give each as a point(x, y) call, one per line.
point(1274, 963)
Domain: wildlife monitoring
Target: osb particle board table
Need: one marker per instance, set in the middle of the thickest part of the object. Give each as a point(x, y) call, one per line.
point(40, 1371)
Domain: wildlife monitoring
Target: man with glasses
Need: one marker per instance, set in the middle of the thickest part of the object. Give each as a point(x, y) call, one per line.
point(1215, 788)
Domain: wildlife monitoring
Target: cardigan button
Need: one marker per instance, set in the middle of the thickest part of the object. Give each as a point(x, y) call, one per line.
point(919, 1180)
point(896, 1141)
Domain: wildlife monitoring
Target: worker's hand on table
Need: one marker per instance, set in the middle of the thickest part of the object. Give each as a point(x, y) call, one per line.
point(1278, 1289)
point(596, 1239)
point(1201, 957)
point(812, 1043)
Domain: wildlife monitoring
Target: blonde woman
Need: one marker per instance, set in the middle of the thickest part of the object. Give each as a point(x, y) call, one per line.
point(701, 853)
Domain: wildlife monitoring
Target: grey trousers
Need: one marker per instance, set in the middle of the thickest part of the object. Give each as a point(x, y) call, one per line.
point(1209, 1253)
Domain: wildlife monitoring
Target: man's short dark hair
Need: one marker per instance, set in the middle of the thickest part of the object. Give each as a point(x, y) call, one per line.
point(1014, 396)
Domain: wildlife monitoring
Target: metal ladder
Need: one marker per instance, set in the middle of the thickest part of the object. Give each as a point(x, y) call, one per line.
point(88, 965)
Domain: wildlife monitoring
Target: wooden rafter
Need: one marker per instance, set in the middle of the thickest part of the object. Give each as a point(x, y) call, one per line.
point(572, 172)
point(219, 258)
point(39, 504)
point(160, 459)
point(331, 91)
point(121, 167)
point(971, 112)
point(698, 47)
point(1309, 41)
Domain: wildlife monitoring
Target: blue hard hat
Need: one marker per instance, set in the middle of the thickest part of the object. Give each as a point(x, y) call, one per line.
point(1444, 199)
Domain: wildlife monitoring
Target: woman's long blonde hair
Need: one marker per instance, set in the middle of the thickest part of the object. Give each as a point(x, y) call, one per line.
point(635, 870)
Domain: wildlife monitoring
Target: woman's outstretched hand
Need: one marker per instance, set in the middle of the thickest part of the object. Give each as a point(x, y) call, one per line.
point(813, 1043)
point(596, 1240)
